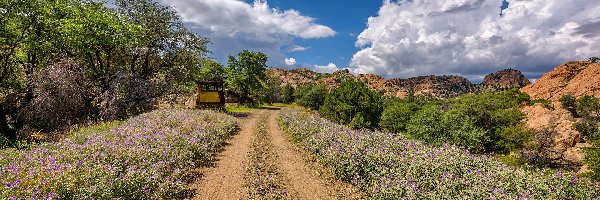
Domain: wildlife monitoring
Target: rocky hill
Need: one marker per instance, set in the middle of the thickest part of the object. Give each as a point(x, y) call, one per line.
point(435, 86)
point(508, 78)
point(575, 78)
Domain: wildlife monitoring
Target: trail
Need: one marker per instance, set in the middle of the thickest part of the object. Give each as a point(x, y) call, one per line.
point(304, 178)
point(226, 179)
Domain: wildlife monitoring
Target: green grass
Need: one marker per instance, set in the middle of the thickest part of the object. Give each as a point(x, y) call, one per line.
point(238, 109)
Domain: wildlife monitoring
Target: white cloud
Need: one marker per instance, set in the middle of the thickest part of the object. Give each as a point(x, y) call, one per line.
point(469, 37)
point(234, 25)
point(290, 61)
point(296, 48)
point(325, 69)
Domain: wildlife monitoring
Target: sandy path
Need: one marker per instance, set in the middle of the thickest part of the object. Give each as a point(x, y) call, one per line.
point(304, 179)
point(226, 179)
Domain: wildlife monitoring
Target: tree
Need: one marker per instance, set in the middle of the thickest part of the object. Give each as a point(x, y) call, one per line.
point(594, 59)
point(354, 104)
point(212, 71)
point(246, 75)
point(288, 94)
point(311, 96)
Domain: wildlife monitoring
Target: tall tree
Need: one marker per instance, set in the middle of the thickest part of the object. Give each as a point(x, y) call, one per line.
point(246, 75)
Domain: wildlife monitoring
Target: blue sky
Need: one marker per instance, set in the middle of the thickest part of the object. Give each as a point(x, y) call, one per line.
point(347, 18)
point(400, 38)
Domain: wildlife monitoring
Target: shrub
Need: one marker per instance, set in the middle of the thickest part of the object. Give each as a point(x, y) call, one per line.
point(60, 99)
point(311, 95)
point(395, 117)
point(353, 103)
point(587, 106)
point(569, 102)
point(129, 95)
point(588, 128)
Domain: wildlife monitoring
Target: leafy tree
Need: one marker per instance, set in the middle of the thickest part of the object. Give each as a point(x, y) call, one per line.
point(311, 95)
point(569, 103)
point(212, 71)
point(353, 103)
point(272, 90)
point(246, 74)
point(288, 94)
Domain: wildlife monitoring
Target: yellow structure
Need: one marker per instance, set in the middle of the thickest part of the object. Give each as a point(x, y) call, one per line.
point(210, 95)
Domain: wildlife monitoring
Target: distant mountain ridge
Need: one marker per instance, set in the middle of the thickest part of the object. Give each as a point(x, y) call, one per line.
point(436, 86)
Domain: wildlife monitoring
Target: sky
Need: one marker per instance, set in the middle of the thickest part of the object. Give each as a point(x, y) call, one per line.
point(400, 38)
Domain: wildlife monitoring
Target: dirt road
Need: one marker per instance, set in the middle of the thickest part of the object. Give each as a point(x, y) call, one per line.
point(304, 179)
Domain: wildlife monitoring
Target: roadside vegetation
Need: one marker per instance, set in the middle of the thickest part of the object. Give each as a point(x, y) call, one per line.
point(383, 165)
point(151, 156)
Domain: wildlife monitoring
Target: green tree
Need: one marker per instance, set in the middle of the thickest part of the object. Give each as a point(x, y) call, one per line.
point(246, 75)
point(594, 59)
point(311, 96)
point(354, 104)
point(212, 71)
point(288, 94)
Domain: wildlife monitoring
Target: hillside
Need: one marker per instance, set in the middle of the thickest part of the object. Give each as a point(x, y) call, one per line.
point(436, 86)
point(577, 78)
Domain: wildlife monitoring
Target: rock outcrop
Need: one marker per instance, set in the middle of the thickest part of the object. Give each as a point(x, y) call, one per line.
point(434, 86)
point(576, 78)
point(505, 79)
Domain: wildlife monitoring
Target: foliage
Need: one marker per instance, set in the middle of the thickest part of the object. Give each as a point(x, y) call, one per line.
point(288, 94)
point(151, 156)
point(587, 106)
point(483, 122)
point(246, 74)
point(136, 38)
point(569, 102)
point(594, 59)
point(271, 92)
point(311, 96)
point(395, 117)
point(588, 128)
point(211, 71)
point(353, 103)
point(389, 166)
point(60, 98)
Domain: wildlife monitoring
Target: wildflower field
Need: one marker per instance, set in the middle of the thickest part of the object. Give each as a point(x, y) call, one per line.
point(388, 166)
point(147, 157)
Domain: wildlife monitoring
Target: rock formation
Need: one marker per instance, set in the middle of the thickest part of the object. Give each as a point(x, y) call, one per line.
point(576, 78)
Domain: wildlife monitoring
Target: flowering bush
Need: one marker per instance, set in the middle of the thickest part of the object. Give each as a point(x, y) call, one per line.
point(388, 166)
point(148, 157)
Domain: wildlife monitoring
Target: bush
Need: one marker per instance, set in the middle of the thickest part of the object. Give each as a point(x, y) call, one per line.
point(60, 98)
point(587, 128)
point(129, 95)
point(587, 106)
point(395, 117)
point(354, 104)
point(483, 122)
point(569, 102)
point(311, 95)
